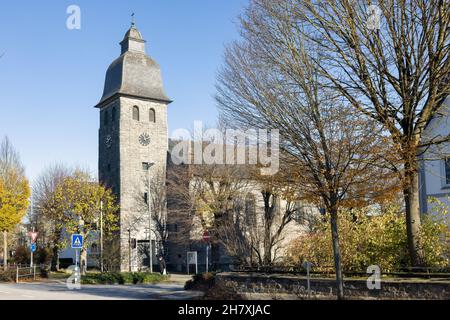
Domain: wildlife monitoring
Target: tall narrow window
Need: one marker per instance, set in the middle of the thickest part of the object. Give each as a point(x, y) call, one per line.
point(299, 212)
point(152, 115)
point(145, 197)
point(447, 170)
point(105, 117)
point(136, 113)
point(250, 210)
point(113, 115)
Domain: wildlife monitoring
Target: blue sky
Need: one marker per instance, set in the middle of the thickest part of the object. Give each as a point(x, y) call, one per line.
point(51, 77)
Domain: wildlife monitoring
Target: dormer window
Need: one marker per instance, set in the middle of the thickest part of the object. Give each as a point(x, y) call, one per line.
point(136, 113)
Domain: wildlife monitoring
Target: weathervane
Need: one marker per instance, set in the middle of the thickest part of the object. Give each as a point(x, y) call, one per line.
point(132, 20)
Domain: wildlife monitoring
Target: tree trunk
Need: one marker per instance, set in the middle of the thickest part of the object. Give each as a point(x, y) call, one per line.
point(55, 259)
point(83, 261)
point(267, 260)
point(55, 256)
point(269, 207)
point(413, 223)
point(5, 250)
point(337, 254)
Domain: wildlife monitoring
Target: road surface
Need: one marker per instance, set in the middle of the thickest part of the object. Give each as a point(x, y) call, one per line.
point(57, 290)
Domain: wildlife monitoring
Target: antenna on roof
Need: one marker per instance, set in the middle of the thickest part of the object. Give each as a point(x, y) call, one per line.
point(133, 22)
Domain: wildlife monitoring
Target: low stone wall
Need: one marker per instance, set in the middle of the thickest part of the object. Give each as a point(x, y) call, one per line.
point(275, 286)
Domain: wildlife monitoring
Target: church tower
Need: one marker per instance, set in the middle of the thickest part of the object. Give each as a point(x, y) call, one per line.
point(133, 144)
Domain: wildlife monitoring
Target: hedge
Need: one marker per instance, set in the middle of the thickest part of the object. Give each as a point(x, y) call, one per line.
point(122, 278)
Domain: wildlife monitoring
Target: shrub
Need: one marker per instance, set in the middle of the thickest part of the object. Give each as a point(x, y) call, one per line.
point(7, 276)
point(371, 240)
point(138, 277)
point(126, 278)
point(201, 282)
point(122, 278)
point(44, 272)
point(22, 255)
point(44, 255)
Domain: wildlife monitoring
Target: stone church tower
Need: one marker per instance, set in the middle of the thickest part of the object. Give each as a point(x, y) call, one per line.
point(133, 144)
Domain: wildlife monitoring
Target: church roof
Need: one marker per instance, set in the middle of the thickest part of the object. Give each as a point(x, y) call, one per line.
point(134, 73)
point(133, 33)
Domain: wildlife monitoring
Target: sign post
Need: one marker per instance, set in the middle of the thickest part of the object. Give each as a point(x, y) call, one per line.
point(77, 244)
point(101, 236)
point(192, 259)
point(33, 236)
point(206, 239)
point(307, 265)
point(32, 250)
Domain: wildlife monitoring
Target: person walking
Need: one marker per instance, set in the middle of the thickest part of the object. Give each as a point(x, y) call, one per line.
point(162, 265)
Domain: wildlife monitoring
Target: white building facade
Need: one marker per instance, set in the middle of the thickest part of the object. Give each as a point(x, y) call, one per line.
point(435, 162)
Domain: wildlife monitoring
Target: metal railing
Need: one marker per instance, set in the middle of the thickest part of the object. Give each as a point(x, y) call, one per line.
point(406, 272)
point(28, 272)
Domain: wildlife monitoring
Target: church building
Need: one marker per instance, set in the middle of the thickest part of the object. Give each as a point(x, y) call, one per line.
point(134, 162)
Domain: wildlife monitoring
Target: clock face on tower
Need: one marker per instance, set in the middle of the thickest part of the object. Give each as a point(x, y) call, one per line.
point(144, 139)
point(108, 141)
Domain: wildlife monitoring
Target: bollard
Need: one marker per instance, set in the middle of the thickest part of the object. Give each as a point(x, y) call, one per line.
point(34, 273)
point(17, 274)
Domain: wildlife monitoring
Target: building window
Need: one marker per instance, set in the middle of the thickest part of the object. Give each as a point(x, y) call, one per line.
point(172, 227)
point(152, 115)
point(447, 171)
point(299, 210)
point(136, 113)
point(113, 114)
point(145, 166)
point(105, 118)
point(250, 210)
point(277, 204)
point(109, 167)
point(250, 204)
point(146, 197)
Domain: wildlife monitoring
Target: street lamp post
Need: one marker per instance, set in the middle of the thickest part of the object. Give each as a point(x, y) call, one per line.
point(101, 236)
point(129, 250)
point(150, 246)
point(31, 257)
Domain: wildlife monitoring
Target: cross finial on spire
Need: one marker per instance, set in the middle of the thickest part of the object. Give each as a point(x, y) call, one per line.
point(132, 20)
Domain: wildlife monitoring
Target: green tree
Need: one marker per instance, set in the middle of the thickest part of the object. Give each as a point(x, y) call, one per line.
point(14, 193)
point(77, 202)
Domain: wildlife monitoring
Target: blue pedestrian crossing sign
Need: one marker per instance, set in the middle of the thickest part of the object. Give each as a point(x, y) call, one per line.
point(77, 241)
point(33, 247)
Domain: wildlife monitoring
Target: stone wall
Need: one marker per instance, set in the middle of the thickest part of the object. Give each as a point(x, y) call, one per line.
point(260, 286)
point(121, 164)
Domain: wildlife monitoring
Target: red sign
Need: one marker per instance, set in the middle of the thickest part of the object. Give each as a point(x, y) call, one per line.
point(33, 236)
point(206, 236)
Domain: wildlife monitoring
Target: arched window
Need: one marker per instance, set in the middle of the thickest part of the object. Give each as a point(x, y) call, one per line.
point(136, 113)
point(113, 114)
point(250, 209)
point(105, 117)
point(152, 116)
